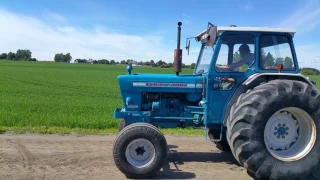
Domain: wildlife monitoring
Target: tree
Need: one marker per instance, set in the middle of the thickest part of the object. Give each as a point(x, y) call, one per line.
point(279, 61)
point(60, 57)
point(159, 63)
point(236, 56)
point(193, 65)
point(307, 72)
point(287, 63)
point(123, 62)
point(269, 60)
point(170, 64)
point(151, 62)
point(11, 56)
point(3, 56)
point(112, 62)
point(263, 54)
point(68, 57)
point(23, 54)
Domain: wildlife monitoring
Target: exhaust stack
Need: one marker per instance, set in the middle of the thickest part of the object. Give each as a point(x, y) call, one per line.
point(178, 53)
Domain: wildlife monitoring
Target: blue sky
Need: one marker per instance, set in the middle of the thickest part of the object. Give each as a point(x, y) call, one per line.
point(144, 30)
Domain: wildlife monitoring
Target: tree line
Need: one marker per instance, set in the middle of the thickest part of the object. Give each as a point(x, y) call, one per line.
point(307, 71)
point(160, 63)
point(20, 55)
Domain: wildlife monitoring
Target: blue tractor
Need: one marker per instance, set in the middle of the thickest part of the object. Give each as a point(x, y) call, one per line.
point(245, 92)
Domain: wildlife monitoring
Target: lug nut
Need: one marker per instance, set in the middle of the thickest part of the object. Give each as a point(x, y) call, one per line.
point(278, 137)
point(287, 128)
point(275, 133)
point(279, 125)
point(282, 136)
point(284, 124)
point(287, 133)
point(275, 128)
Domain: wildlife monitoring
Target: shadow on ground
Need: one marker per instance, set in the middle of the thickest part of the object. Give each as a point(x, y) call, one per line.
point(179, 158)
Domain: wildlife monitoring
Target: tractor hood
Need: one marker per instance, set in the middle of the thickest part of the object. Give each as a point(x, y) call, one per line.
point(160, 83)
point(133, 86)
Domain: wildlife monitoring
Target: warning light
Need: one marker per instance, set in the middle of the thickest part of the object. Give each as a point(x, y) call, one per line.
point(279, 67)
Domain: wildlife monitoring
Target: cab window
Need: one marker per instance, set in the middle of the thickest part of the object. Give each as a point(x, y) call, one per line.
point(274, 50)
point(237, 53)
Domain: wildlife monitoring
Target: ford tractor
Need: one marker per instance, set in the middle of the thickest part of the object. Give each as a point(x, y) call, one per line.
point(245, 92)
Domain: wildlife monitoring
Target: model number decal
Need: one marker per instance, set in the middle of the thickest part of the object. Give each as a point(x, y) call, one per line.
point(160, 84)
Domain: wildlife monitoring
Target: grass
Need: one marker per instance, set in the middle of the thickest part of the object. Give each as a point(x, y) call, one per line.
point(63, 98)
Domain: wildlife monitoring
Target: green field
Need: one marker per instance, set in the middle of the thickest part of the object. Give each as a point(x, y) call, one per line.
point(56, 97)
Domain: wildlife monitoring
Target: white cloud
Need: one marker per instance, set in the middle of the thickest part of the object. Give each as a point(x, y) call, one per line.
point(45, 40)
point(186, 18)
point(67, 29)
point(55, 17)
point(305, 18)
point(185, 15)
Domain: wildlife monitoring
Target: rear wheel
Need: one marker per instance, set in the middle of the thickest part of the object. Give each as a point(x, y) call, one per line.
point(273, 130)
point(140, 150)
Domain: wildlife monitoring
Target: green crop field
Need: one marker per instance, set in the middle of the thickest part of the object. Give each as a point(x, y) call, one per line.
point(55, 97)
point(61, 95)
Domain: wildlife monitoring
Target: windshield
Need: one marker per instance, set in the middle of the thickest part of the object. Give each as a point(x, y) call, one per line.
point(204, 59)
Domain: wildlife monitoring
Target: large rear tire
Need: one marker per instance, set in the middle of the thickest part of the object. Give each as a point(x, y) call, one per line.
point(273, 130)
point(140, 150)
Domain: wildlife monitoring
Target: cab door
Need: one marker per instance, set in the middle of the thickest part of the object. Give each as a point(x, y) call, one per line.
point(233, 61)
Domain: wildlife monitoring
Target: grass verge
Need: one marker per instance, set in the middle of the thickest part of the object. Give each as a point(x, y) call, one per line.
point(81, 131)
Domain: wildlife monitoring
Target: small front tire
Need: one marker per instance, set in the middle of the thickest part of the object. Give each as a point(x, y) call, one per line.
point(122, 124)
point(140, 151)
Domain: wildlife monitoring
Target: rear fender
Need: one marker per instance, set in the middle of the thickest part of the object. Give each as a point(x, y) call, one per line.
point(257, 79)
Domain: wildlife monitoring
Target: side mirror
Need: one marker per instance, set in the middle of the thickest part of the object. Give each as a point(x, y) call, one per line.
point(188, 45)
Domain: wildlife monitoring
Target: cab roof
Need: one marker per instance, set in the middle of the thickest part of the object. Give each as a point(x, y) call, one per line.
point(221, 29)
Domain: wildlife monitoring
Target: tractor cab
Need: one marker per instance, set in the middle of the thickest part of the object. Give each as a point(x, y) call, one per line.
point(230, 56)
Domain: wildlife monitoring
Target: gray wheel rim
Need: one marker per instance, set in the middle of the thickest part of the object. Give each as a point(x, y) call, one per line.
point(140, 153)
point(290, 134)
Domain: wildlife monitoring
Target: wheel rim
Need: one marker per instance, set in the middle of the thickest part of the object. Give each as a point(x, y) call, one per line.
point(290, 134)
point(140, 153)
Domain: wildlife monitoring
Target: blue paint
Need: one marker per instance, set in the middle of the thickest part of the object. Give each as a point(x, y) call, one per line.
point(129, 69)
point(281, 131)
point(169, 101)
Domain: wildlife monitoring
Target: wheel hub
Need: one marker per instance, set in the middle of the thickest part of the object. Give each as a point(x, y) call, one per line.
point(140, 153)
point(140, 150)
point(289, 134)
point(282, 131)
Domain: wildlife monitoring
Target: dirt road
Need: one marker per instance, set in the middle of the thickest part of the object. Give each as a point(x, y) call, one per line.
point(90, 157)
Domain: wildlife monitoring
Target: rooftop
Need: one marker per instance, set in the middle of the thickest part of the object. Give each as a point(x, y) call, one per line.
point(221, 29)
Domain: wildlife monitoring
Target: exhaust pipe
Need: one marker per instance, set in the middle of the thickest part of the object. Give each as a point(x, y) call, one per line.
point(178, 53)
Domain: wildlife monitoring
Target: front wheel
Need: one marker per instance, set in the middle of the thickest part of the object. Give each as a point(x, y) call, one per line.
point(122, 124)
point(140, 150)
point(273, 130)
